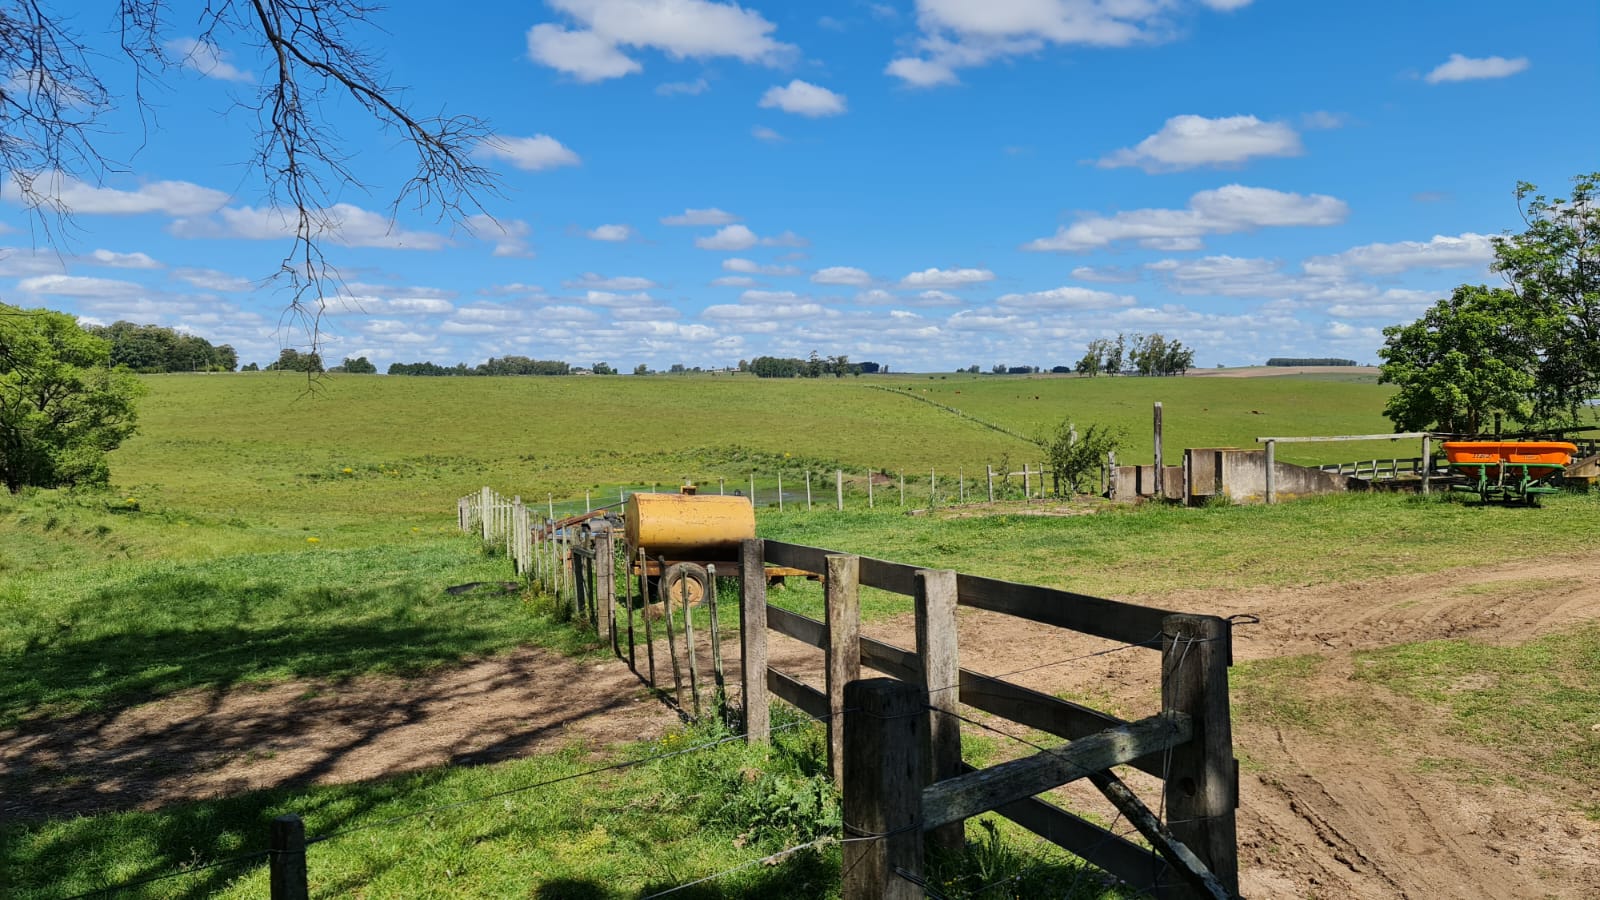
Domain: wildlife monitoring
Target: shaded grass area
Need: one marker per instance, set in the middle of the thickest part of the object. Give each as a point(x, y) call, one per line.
point(553, 831)
point(85, 637)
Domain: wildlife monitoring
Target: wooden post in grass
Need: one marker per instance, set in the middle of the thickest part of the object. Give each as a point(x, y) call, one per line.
point(843, 621)
point(1160, 493)
point(808, 490)
point(287, 859)
point(838, 488)
point(1027, 483)
point(753, 640)
point(1202, 783)
point(902, 488)
point(780, 490)
point(1427, 463)
point(885, 730)
point(718, 679)
point(644, 603)
point(989, 471)
point(605, 572)
point(961, 485)
point(872, 475)
point(484, 512)
point(627, 601)
point(934, 593)
point(1272, 472)
point(752, 488)
point(933, 488)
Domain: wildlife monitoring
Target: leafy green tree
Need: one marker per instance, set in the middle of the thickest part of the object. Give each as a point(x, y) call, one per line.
point(1468, 357)
point(1553, 266)
point(292, 360)
point(359, 366)
point(1072, 457)
point(601, 368)
point(63, 407)
point(641, 369)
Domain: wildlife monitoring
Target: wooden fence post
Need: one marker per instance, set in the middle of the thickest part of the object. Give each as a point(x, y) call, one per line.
point(1202, 784)
point(808, 490)
point(287, 859)
point(934, 593)
point(885, 730)
point(1272, 472)
point(753, 640)
point(605, 577)
point(843, 598)
point(872, 475)
point(1427, 463)
point(1160, 494)
point(838, 487)
point(485, 510)
point(989, 470)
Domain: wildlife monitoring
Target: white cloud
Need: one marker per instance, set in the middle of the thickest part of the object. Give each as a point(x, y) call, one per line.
point(173, 198)
point(495, 314)
point(593, 282)
point(842, 275)
point(682, 29)
point(741, 281)
point(211, 279)
point(938, 297)
point(732, 237)
point(960, 34)
point(509, 236)
point(751, 267)
point(765, 310)
point(1466, 68)
point(1225, 210)
point(707, 217)
point(768, 296)
point(584, 55)
point(1442, 252)
point(116, 260)
point(763, 133)
point(1322, 120)
point(209, 60)
point(946, 278)
point(804, 99)
point(373, 305)
point(1107, 274)
point(692, 88)
point(738, 237)
point(20, 261)
point(531, 154)
point(1064, 298)
point(342, 223)
point(79, 286)
point(1186, 142)
point(610, 233)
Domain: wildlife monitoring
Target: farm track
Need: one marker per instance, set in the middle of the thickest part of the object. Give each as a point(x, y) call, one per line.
point(1349, 813)
point(213, 743)
point(1355, 813)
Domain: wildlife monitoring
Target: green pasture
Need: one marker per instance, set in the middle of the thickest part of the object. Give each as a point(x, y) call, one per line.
point(261, 532)
point(343, 453)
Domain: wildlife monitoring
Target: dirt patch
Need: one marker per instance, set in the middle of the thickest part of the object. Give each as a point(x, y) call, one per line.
point(1358, 811)
point(205, 744)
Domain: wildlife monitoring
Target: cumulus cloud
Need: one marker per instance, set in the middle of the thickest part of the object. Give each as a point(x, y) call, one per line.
point(531, 154)
point(751, 267)
point(1466, 68)
point(691, 88)
point(768, 135)
point(842, 275)
point(591, 281)
point(682, 29)
point(1442, 252)
point(1187, 142)
point(509, 236)
point(946, 278)
point(343, 223)
point(740, 281)
point(610, 233)
point(172, 198)
point(704, 217)
point(1225, 210)
point(114, 260)
point(21, 261)
point(208, 59)
point(957, 34)
point(79, 286)
point(211, 279)
point(803, 98)
point(1064, 298)
point(738, 237)
point(1107, 274)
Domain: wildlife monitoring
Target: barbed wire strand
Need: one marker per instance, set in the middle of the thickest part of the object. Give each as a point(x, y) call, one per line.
point(215, 864)
point(772, 858)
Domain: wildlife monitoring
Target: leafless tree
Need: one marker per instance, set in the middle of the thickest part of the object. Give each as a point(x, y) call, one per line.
point(53, 92)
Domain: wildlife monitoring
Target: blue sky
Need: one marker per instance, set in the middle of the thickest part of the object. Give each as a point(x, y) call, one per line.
point(926, 184)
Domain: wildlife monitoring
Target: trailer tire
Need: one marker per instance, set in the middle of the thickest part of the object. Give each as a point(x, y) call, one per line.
point(680, 576)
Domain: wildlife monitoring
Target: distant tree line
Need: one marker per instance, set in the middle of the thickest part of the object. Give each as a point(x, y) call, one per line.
point(1143, 354)
point(151, 349)
point(1310, 361)
point(813, 367)
point(505, 365)
point(291, 360)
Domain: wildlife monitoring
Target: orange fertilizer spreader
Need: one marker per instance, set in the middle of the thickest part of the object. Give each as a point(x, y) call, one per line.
point(1509, 471)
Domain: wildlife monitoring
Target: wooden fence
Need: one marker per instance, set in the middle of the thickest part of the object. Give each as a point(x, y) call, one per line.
point(894, 745)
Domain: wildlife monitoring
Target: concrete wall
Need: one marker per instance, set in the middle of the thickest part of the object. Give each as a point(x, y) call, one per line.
point(1244, 478)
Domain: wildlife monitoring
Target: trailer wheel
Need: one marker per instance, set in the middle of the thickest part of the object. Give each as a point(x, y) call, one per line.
point(680, 577)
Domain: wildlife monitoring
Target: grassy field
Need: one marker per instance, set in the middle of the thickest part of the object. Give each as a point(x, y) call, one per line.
point(258, 534)
point(258, 448)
